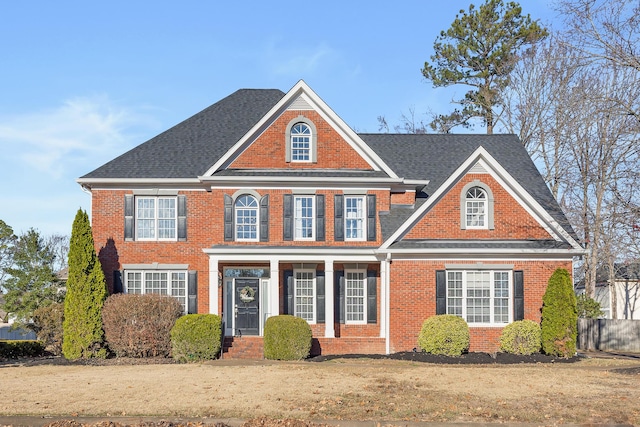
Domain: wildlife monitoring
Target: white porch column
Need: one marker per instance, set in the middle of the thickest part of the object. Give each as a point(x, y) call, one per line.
point(213, 285)
point(329, 331)
point(383, 298)
point(274, 288)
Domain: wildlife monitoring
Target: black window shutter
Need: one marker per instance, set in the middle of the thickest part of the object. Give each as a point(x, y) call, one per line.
point(128, 216)
point(182, 218)
point(320, 232)
point(117, 282)
point(371, 217)
point(288, 292)
point(320, 297)
point(339, 305)
point(441, 292)
point(338, 218)
point(228, 218)
point(518, 295)
point(372, 296)
point(288, 217)
point(264, 218)
point(192, 292)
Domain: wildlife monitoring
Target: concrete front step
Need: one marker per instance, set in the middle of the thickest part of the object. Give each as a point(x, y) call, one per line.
point(245, 347)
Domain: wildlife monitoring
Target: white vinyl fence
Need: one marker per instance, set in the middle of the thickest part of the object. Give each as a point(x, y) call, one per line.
point(609, 335)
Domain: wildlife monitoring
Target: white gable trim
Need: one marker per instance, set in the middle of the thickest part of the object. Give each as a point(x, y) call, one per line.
point(491, 165)
point(302, 91)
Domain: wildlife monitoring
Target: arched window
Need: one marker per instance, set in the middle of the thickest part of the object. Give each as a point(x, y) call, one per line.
point(476, 208)
point(246, 218)
point(301, 137)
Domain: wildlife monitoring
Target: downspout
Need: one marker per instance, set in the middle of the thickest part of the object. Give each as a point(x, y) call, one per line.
point(388, 304)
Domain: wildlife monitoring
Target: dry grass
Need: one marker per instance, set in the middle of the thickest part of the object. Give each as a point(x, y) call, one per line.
point(589, 391)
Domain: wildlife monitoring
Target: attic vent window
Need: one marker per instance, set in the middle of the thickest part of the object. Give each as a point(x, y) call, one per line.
point(301, 143)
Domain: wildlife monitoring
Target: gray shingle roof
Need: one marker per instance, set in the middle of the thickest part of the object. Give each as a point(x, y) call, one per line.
point(435, 157)
point(190, 148)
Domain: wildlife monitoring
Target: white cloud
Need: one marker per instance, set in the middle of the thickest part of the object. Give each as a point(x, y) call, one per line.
point(298, 61)
point(79, 130)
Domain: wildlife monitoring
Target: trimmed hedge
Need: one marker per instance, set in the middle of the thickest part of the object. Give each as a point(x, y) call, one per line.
point(196, 337)
point(521, 337)
point(47, 322)
point(18, 349)
point(287, 337)
point(444, 334)
point(140, 325)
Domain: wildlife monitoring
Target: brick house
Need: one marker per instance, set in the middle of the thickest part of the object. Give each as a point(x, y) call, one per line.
point(267, 203)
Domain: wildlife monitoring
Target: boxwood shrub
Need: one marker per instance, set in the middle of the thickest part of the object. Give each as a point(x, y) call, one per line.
point(444, 334)
point(521, 337)
point(17, 349)
point(196, 337)
point(140, 325)
point(287, 337)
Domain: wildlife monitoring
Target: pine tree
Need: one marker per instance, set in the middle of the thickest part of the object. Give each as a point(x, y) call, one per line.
point(86, 292)
point(480, 50)
point(559, 316)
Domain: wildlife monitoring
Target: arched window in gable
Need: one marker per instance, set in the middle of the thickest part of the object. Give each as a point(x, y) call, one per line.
point(301, 141)
point(476, 207)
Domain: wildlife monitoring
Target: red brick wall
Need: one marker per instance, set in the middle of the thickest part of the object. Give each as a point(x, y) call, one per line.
point(406, 198)
point(413, 298)
point(269, 149)
point(511, 221)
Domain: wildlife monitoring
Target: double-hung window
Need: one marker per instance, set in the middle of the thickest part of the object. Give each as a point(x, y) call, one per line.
point(172, 283)
point(156, 218)
point(355, 297)
point(304, 217)
point(304, 294)
point(476, 208)
point(301, 139)
point(246, 218)
point(354, 217)
point(480, 297)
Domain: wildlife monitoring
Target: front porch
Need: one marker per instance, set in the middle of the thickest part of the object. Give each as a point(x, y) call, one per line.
point(342, 298)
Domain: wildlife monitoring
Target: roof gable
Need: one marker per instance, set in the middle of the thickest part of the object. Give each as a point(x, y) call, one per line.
point(516, 189)
point(300, 98)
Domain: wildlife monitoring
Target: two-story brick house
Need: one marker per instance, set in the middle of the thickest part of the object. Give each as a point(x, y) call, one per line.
point(268, 203)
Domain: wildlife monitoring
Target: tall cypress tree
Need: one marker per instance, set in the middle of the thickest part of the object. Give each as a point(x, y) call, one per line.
point(86, 291)
point(559, 316)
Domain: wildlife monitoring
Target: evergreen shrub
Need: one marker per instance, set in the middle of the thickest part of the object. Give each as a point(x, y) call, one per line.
point(47, 323)
point(17, 349)
point(196, 337)
point(521, 337)
point(287, 337)
point(559, 316)
point(140, 325)
point(588, 308)
point(444, 334)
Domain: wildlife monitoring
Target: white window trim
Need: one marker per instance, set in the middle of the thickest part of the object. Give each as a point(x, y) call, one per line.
point(313, 218)
point(184, 300)
point(235, 218)
point(313, 146)
point(363, 218)
point(311, 321)
point(489, 202)
point(492, 298)
point(364, 297)
point(156, 219)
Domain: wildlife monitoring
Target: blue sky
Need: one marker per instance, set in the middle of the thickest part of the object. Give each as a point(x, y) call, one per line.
point(82, 82)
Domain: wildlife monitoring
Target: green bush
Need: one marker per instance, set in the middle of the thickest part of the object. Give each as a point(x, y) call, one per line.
point(140, 325)
point(559, 316)
point(287, 337)
point(445, 334)
point(18, 349)
point(47, 323)
point(196, 337)
point(588, 308)
point(521, 337)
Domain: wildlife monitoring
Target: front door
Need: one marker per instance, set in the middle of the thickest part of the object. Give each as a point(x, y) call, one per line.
point(246, 306)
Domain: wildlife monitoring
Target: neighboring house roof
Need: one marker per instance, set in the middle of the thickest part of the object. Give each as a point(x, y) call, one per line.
point(629, 271)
